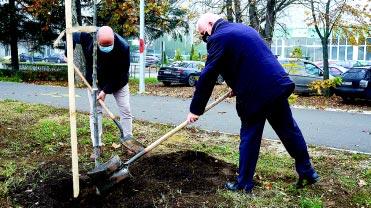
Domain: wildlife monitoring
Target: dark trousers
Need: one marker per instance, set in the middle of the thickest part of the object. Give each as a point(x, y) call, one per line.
point(278, 114)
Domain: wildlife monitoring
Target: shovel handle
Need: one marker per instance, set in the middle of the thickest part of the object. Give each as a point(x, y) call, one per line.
point(101, 102)
point(172, 132)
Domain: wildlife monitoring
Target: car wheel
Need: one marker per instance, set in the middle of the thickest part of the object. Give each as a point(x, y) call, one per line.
point(167, 83)
point(220, 80)
point(59, 61)
point(191, 80)
point(347, 99)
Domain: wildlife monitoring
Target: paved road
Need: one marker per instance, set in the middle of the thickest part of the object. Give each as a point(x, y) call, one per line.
point(333, 129)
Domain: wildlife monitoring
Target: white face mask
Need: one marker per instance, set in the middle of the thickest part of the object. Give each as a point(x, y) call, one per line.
point(105, 49)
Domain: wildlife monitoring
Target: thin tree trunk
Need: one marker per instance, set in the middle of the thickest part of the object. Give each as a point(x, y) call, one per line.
point(253, 16)
point(78, 11)
point(13, 36)
point(325, 58)
point(237, 10)
point(228, 5)
point(270, 20)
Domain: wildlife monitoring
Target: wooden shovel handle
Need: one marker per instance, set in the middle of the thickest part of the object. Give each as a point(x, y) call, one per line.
point(172, 132)
point(101, 102)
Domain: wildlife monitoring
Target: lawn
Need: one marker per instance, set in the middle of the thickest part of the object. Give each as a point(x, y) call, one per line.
point(188, 170)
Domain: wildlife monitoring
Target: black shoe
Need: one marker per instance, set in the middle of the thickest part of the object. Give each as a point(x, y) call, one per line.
point(233, 186)
point(306, 181)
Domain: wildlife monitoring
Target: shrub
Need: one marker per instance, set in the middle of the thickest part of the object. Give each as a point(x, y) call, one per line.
point(323, 87)
point(297, 52)
point(178, 56)
point(37, 72)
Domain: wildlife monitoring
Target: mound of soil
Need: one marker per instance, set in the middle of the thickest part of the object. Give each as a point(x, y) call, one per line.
point(180, 179)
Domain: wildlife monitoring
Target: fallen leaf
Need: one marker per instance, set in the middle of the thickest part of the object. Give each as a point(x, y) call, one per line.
point(268, 186)
point(362, 183)
point(114, 145)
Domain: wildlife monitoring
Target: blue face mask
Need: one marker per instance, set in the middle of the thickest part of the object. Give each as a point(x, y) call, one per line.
point(105, 49)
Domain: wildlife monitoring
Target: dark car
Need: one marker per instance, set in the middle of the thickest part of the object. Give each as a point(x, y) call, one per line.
point(55, 58)
point(186, 72)
point(302, 73)
point(23, 57)
point(356, 83)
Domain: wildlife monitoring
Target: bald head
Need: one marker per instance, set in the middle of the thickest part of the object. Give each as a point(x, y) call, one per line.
point(105, 36)
point(205, 23)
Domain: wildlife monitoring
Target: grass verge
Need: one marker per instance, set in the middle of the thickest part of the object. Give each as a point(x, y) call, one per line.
point(31, 135)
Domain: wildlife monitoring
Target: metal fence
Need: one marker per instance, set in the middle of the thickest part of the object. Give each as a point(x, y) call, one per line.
point(149, 72)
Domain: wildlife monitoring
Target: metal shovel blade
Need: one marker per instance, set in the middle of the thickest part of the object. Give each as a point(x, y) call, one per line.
point(117, 177)
point(104, 171)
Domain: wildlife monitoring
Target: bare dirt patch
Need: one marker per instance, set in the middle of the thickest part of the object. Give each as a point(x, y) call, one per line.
point(178, 179)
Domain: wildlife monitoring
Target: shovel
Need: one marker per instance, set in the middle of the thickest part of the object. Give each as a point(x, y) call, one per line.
point(131, 144)
point(114, 171)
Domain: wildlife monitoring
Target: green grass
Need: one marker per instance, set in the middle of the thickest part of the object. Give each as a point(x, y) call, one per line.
point(225, 152)
point(311, 203)
point(10, 78)
point(149, 80)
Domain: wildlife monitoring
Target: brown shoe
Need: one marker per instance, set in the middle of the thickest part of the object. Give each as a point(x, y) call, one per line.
point(93, 156)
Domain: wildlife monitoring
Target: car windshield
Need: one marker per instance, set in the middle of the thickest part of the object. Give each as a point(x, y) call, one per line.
point(180, 64)
point(355, 74)
point(334, 71)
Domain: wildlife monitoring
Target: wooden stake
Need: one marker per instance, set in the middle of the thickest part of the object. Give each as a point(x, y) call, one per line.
point(72, 103)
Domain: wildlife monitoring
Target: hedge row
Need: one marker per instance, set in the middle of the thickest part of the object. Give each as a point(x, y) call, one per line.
point(36, 75)
point(42, 66)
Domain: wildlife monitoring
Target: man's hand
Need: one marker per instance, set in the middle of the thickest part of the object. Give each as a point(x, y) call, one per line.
point(102, 95)
point(231, 94)
point(192, 118)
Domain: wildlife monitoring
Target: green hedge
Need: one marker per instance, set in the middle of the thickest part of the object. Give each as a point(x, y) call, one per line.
point(37, 72)
point(41, 66)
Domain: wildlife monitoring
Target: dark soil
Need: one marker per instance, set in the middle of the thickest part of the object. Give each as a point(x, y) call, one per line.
point(180, 179)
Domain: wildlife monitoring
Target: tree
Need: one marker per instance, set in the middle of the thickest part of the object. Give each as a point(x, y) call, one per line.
point(178, 56)
point(297, 52)
point(194, 55)
point(339, 17)
point(160, 17)
point(9, 27)
point(261, 14)
point(13, 35)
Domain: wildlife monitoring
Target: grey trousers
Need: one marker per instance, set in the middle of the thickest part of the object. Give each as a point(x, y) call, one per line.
point(122, 97)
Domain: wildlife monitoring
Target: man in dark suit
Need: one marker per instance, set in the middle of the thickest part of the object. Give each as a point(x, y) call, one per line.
point(261, 87)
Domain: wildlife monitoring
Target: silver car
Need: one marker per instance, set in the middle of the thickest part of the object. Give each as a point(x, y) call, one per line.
point(302, 72)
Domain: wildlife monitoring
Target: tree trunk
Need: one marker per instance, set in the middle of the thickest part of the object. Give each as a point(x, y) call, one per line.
point(324, 42)
point(13, 36)
point(253, 16)
point(237, 10)
point(228, 6)
point(78, 11)
point(270, 20)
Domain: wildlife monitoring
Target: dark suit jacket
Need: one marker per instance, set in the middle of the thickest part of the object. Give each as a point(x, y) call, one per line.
point(112, 68)
point(240, 55)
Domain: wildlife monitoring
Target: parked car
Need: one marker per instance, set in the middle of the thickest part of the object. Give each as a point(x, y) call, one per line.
point(356, 83)
point(302, 72)
point(185, 72)
point(23, 57)
point(55, 58)
point(335, 69)
point(151, 60)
